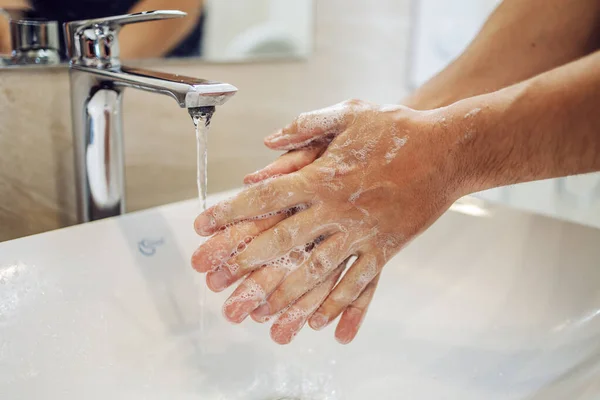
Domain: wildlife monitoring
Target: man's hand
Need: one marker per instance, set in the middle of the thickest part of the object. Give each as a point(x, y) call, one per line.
point(379, 176)
point(384, 176)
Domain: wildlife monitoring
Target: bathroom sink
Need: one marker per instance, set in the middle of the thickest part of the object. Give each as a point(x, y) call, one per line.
point(493, 304)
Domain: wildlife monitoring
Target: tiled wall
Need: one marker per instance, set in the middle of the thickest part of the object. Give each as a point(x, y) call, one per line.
point(360, 51)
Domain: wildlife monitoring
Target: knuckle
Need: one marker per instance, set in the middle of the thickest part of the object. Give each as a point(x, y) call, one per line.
point(339, 300)
point(319, 266)
point(282, 238)
point(300, 121)
point(263, 194)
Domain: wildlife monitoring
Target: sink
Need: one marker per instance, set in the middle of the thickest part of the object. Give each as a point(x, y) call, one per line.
point(496, 305)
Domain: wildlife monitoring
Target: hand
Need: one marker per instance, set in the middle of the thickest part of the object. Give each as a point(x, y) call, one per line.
point(383, 174)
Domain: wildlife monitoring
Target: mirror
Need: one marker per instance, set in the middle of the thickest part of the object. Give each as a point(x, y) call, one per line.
point(213, 30)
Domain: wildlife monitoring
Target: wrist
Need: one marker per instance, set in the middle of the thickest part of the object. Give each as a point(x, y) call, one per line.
point(432, 152)
point(480, 141)
point(459, 137)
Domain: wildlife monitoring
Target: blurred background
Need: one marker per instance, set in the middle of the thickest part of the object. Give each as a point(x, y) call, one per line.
point(285, 57)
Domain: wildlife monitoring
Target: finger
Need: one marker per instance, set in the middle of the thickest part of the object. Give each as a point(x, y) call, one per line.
point(229, 242)
point(311, 126)
point(253, 291)
point(259, 201)
point(290, 235)
point(289, 323)
point(323, 259)
point(354, 282)
point(287, 163)
point(354, 315)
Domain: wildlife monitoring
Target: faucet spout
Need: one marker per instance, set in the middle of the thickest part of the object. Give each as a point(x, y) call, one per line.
point(187, 91)
point(98, 80)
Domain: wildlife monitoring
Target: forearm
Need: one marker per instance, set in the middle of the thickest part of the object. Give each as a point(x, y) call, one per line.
point(155, 39)
point(521, 39)
point(545, 127)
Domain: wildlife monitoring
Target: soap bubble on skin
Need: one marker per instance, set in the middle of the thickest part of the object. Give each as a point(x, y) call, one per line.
point(329, 121)
point(354, 196)
point(363, 153)
point(397, 144)
point(252, 292)
point(293, 314)
point(472, 113)
point(470, 130)
point(327, 173)
point(348, 184)
point(368, 273)
point(391, 108)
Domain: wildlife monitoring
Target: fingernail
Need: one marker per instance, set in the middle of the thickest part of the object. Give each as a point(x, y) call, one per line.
point(204, 223)
point(263, 311)
point(318, 321)
point(197, 260)
point(218, 281)
point(344, 336)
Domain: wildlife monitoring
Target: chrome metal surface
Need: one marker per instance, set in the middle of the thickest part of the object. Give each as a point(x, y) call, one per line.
point(224, 31)
point(187, 91)
point(97, 84)
point(33, 41)
point(93, 42)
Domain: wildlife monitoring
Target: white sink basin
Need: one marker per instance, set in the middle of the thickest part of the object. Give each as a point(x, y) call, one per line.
point(499, 307)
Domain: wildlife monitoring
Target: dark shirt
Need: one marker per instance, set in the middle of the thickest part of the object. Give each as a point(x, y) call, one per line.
point(73, 10)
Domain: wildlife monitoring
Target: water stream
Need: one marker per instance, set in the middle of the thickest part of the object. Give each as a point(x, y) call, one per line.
point(201, 117)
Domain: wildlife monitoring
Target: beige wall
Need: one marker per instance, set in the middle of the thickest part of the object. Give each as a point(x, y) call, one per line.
point(360, 51)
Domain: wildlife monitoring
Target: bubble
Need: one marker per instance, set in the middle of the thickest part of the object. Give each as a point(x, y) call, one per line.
point(252, 291)
point(293, 314)
point(391, 108)
point(368, 272)
point(295, 257)
point(397, 144)
point(328, 173)
point(332, 186)
point(297, 209)
point(364, 152)
point(354, 196)
point(472, 113)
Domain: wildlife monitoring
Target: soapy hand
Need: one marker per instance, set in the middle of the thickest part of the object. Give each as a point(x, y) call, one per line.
point(359, 182)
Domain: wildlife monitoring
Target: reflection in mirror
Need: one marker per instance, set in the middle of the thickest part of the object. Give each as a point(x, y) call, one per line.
point(215, 30)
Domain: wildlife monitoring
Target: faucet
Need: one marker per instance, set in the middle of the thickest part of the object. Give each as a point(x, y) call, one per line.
point(97, 83)
point(33, 41)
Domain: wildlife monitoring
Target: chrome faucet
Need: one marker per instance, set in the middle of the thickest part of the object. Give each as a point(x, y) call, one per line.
point(97, 83)
point(33, 41)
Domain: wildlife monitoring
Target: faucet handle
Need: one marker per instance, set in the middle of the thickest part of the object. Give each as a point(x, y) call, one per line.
point(94, 42)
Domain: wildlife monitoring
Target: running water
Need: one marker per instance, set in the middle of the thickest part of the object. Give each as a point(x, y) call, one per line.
point(201, 117)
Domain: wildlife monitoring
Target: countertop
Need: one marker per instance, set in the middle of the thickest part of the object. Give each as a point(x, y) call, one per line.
point(488, 303)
